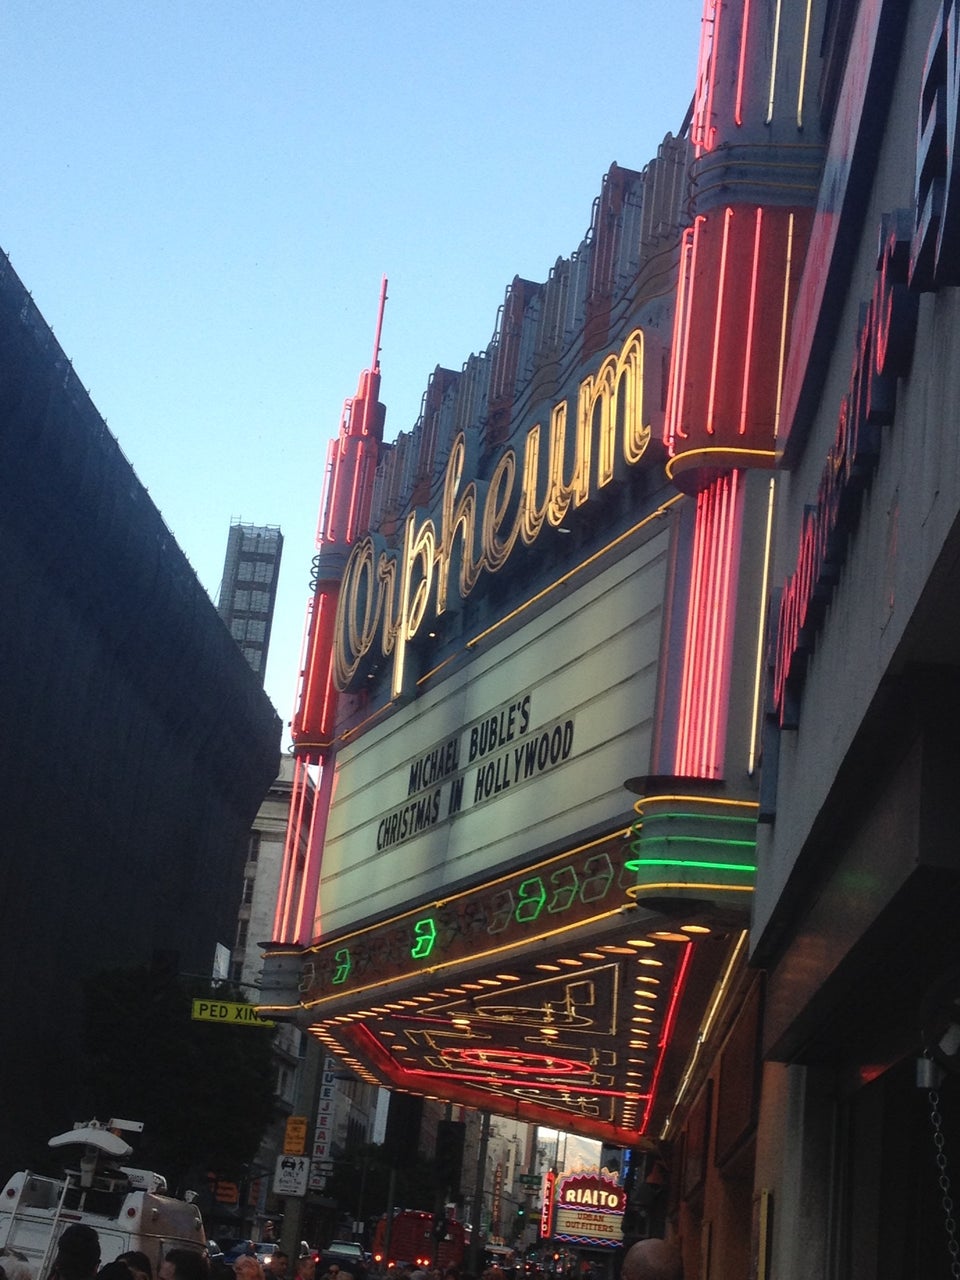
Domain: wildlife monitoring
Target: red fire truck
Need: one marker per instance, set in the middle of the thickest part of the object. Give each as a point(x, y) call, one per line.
point(413, 1240)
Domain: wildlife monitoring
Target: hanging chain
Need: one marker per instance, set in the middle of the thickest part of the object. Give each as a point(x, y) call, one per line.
point(946, 1199)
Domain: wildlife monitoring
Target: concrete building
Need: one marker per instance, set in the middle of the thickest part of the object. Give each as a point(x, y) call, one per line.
point(136, 743)
point(248, 589)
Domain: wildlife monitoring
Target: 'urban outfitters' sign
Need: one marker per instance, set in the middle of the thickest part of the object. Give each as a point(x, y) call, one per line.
point(386, 596)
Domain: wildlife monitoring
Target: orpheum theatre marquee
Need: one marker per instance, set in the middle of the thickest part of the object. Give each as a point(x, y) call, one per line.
point(532, 679)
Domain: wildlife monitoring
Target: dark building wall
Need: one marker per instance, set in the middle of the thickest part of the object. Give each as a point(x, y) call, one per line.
point(135, 742)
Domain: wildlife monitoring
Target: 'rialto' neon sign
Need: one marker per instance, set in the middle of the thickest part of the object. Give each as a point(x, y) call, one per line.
point(385, 595)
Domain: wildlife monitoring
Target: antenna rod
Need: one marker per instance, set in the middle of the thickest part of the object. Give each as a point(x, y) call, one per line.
point(375, 366)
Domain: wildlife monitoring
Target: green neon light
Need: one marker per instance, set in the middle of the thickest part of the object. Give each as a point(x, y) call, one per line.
point(344, 965)
point(532, 895)
point(425, 931)
point(727, 844)
point(698, 817)
point(636, 863)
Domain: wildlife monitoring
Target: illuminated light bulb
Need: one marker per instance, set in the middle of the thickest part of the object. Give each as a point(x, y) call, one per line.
point(650, 960)
point(489, 982)
point(644, 1008)
point(549, 968)
point(592, 955)
point(572, 963)
point(508, 977)
point(549, 1031)
point(670, 937)
point(642, 942)
point(694, 928)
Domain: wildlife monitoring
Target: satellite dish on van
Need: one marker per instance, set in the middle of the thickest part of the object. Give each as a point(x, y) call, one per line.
point(92, 1135)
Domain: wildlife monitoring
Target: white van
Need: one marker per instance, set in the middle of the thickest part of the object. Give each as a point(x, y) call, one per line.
point(125, 1206)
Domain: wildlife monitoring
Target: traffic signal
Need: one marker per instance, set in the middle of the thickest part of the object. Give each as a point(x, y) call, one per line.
point(403, 1125)
point(449, 1157)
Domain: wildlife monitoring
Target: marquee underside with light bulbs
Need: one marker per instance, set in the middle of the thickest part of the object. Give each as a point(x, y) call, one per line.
point(576, 993)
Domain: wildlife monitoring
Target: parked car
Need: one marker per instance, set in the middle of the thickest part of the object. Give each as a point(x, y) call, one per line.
point(347, 1254)
point(238, 1248)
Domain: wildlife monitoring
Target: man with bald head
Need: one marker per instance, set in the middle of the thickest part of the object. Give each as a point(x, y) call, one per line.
point(652, 1259)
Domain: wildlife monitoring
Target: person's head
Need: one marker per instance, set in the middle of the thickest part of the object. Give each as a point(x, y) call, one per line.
point(279, 1264)
point(652, 1259)
point(333, 1270)
point(15, 1265)
point(248, 1267)
point(78, 1252)
point(184, 1264)
point(138, 1263)
point(306, 1266)
point(116, 1270)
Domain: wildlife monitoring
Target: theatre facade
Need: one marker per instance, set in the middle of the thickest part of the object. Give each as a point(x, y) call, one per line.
point(631, 674)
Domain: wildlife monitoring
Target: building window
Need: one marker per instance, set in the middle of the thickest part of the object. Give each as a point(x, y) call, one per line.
point(256, 630)
point(241, 599)
point(263, 571)
point(254, 657)
point(242, 926)
point(247, 890)
point(260, 601)
point(253, 846)
point(238, 628)
point(245, 571)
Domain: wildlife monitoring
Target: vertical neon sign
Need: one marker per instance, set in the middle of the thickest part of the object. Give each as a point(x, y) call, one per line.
point(546, 1209)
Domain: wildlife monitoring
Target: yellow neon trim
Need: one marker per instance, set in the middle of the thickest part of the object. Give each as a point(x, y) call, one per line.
point(316, 947)
point(475, 640)
point(773, 65)
point(803, 65)
point(704, 800)
point(561, 581)
point(635, 890)
point(733, 455)
point(476, 955)
point(761, 632)
point(706, 1027)
point(784, 326)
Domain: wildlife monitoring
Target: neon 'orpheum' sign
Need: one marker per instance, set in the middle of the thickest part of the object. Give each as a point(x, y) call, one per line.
point(386, 595)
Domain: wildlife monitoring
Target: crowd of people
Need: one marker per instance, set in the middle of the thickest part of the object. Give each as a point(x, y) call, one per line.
point(78, 1258)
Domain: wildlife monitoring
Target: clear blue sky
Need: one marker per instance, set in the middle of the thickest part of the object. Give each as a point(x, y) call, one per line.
point(203, 197)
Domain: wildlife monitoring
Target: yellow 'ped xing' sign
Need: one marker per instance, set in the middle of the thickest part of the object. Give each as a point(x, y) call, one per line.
point(229, 1011)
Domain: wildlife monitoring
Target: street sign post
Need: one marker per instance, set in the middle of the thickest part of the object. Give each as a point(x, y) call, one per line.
point(295, 1136)
point(290, 1177)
